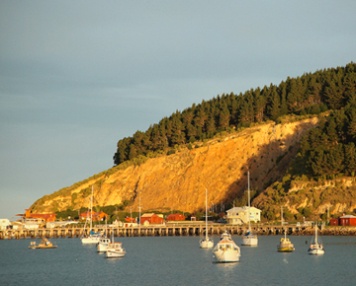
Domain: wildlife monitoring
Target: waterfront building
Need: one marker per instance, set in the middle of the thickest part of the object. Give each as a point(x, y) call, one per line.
point(348, 220)
point(150, 218)
point(175, 217)
point(241, 215)
point(28, 215)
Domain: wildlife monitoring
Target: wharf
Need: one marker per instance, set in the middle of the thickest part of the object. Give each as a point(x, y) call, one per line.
point(154, 230)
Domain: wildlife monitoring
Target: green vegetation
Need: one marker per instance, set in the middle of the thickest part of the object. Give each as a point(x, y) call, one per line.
point(307, 95)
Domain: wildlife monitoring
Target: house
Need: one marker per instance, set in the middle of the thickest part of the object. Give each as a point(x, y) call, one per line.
point(348, 220)
point(334, 221)
point(175, 217)
point(28, 215)
point(151, 218)
point(240, 215)
point(4, 223)
point(97, 216)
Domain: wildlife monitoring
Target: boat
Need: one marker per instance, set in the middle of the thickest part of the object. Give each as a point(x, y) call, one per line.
point(104, 241)
point(206, 242)
point(226, 250)
point(44, 244)
point(285, 244)
point(316, 248)
point(114, 249)
point(249, 239)
point(92, 238)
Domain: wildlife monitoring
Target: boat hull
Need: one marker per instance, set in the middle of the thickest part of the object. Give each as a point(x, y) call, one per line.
point(206, 244)
point(316, 251)
point(91, 240)
point(115, 254)
point(286, 249)
point(226, 256)
point(249, 241)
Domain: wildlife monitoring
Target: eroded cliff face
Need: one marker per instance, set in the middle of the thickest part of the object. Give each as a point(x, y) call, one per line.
point(179, 181)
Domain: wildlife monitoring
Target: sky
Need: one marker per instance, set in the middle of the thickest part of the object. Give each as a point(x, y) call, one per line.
point(78, 76)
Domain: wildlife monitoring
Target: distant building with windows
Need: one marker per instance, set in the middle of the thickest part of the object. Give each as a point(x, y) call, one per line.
point(240, 215)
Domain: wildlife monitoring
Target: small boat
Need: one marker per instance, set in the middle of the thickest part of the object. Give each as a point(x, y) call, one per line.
point(285, 245)
point(44, 244)
point(92, 238)
point(226, 250)
point(104, 241)
point(249, 239)
point(206, 242)
point(316, 248)
point(114, 249)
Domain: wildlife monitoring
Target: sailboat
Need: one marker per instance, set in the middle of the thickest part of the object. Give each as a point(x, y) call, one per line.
point(93, 237)
point(206, 242)
point(104, 241)
point(285, 245)
point(316, 248)
point(249, 239)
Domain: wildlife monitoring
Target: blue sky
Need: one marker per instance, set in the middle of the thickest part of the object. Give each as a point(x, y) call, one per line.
point(77, 76)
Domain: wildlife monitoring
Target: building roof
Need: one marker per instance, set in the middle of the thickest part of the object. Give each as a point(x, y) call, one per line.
point(148, 215)
point(242, 209)
point(348, 216)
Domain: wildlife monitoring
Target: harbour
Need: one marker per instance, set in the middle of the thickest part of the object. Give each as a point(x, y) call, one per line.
point(174, 230)
point(177, 260)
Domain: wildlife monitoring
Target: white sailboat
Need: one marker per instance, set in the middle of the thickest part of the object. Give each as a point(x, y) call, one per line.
point(114, 249)
point(249, 239)
point(285, 244)
point(316, 248)
point(92, 238)
point(226, 250)
point(206, 242)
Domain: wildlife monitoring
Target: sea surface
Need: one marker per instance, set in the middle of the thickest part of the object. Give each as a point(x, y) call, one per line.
point(177, 261)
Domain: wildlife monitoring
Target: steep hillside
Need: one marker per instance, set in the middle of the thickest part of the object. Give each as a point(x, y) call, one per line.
point(178, 181)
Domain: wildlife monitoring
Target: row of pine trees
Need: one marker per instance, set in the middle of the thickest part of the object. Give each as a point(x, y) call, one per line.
point(312, 93)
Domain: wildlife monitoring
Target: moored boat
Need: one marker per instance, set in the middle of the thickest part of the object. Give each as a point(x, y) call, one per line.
point(114, 249)
point(249, 239)
point(206, 242)
point(316, 248)
point(92, 238)
point(44, 244)
point(285, 244)
point(226, 250)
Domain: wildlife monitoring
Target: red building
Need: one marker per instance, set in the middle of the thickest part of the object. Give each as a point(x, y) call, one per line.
point(45, 217)
point(130, 219)
point(175, 217)
point(151, 218)
point(334, 221)
point(348, 220)
point(97, 216)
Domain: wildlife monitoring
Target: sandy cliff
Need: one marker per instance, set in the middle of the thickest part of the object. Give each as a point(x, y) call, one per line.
point(179, 181)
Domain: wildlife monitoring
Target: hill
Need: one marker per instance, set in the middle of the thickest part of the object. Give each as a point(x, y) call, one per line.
point(213, 144)
point(178, 181)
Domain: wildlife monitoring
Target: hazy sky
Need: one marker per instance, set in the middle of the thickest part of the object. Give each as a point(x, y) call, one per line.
point(77, 76)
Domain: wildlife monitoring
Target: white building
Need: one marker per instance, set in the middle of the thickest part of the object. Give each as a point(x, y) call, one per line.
point(240, 215)
point(4, 223)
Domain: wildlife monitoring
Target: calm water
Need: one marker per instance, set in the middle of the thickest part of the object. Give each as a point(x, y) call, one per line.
point(177, 261)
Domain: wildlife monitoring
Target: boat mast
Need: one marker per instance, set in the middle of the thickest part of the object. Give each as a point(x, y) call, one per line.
point(206, 214)
point(91, 208)
point(249, 211)
point(285, 233)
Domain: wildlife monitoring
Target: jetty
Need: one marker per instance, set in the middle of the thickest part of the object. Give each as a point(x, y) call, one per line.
point(156, 230)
